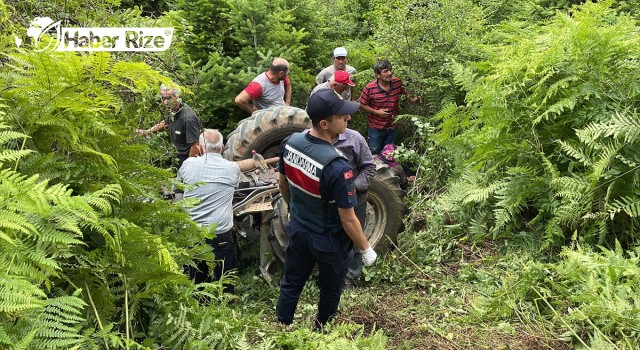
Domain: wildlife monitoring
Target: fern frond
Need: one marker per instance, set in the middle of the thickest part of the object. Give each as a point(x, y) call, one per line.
point(571, 187)
point(46, 233)
point(628, 162)
point(43, 259)
point(25, 342)
point(576, 152)
point(481, 194)
point(606, 155)
point(13, 155)
point(105, 157)
point(57, 326)
point(101, 199)
point(9, 135)
point(182, 328)
point(25, 268)
point(453, 119)
point(563, 104)
point(621, 124)
point(626, 204)
point(66, 309)
point(9, 220)
point(4, 337)
point(17, 294)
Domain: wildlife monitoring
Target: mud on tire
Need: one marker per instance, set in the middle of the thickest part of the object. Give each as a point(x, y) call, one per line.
point(264, 131)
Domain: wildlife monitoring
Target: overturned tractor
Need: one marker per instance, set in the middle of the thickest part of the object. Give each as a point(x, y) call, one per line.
point(258, 206)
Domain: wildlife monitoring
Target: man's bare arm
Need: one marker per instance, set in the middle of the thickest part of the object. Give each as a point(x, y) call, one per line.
point(287, 95)
point(243, 101)
point(283, 184)
point(152, 130)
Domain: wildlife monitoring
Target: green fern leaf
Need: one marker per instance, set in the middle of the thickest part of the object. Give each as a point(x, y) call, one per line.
point(626, 204)
point(11, 221)
point(17, 294)
point(578, 153)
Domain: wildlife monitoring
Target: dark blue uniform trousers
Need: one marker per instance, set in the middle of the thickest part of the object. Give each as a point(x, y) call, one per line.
point(332, 253)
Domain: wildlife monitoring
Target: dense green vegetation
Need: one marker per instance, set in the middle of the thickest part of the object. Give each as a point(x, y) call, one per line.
point(523, 225)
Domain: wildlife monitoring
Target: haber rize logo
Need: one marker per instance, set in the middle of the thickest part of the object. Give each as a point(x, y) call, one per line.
point(47, 35)
point(40, 26)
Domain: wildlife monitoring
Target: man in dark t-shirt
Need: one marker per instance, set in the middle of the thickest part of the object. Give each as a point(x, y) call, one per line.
point(182, 125)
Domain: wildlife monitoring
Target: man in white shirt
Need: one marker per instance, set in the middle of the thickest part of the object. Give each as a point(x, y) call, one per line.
point(339, 63)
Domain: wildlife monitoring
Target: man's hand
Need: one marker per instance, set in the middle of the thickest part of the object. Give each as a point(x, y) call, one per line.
point(152, 130)
point(382, 113)
point(369, 256)
point(142, 132)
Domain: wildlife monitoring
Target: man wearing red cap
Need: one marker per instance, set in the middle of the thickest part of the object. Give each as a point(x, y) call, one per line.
point(339, 64)
point(339, 82)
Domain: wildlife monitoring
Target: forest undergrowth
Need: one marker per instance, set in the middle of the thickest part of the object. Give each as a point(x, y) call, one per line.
point(442, 305)
point(521, 228)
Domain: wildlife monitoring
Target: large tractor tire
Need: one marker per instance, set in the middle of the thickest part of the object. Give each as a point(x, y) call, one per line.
point(277, 234)
point(384, 214)
point(384, 209)
point(264, 131)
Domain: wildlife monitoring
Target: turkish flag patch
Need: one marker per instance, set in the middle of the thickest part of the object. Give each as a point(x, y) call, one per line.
point(348, 175)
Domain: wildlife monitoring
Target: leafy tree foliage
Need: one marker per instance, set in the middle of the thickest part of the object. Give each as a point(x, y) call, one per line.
point(219, 63)
point(422, 39)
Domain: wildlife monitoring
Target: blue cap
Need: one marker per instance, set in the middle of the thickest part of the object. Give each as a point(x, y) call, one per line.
point(326, 103)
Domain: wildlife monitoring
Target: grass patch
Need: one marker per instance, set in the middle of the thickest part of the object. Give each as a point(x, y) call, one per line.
point(403, 307)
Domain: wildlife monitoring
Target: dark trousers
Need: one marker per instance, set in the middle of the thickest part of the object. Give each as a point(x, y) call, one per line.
point(377, 139)
point(303, 252)
point(224, 248)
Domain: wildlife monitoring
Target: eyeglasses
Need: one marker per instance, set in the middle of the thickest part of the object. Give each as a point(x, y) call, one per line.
point(341, 58)
point(165, 98)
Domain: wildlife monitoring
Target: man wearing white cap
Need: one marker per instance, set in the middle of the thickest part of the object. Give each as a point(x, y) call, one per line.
point(339, 64)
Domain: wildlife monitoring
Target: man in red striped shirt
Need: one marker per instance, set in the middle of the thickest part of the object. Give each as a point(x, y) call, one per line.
point(381, 100)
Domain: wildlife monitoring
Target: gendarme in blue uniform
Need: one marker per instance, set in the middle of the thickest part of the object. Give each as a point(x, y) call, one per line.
point(305, 160)
point(320, 181)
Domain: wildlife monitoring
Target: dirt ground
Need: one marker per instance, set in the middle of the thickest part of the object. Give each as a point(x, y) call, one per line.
point(407, 331)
